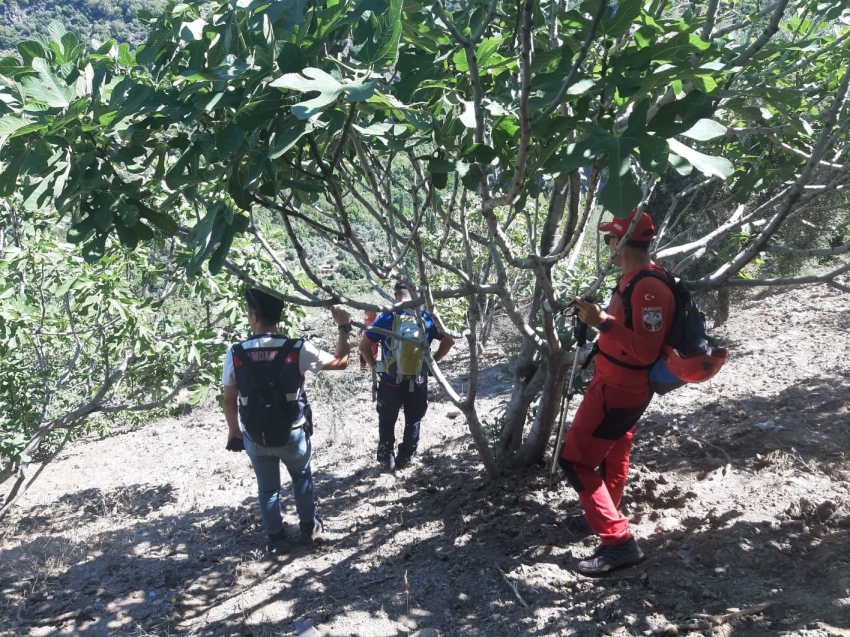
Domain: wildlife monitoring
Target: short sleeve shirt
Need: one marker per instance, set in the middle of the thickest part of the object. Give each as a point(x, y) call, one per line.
point(310, 358)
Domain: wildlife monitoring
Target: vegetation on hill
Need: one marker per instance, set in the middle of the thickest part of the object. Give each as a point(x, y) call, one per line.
point(92, 19)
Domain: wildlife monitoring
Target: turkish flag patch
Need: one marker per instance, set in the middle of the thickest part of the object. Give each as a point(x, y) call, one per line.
point(653, 319)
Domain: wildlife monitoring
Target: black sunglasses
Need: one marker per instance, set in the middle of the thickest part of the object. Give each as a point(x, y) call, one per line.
point(607, 237)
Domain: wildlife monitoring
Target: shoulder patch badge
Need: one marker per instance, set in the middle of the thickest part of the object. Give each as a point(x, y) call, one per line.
point(653, 319)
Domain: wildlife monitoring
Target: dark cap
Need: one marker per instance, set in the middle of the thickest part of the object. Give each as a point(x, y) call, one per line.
point(401, 286)
point(268, 307)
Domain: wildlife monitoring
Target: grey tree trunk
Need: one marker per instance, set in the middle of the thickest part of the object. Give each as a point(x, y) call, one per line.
point(528, 380)
point(479, 437)
point(548, 409)
point(529, 375)
point(523, 393)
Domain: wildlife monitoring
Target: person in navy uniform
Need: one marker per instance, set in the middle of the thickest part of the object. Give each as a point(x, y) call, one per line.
point(397, 391)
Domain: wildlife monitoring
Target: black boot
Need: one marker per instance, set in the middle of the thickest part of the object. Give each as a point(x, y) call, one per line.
point(311, 533)
point(278, 542)
point(607, 558)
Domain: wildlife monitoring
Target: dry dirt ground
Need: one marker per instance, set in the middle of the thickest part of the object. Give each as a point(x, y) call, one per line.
point(738, 494)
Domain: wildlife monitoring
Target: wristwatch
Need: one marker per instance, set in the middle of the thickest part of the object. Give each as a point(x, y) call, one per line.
point(605, 325)
point(345, 327)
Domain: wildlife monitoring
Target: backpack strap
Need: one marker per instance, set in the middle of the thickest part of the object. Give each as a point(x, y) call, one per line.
point(617, 361)
point(396, 344)
point(276, 364)
point(424, 337)
point(626, 295)
point(595, 350)
point(240, 353)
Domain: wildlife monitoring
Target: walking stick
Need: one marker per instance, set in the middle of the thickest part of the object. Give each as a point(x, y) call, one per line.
point(580, 332)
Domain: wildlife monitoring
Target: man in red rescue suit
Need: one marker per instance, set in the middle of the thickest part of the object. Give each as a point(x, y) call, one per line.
point(595, 454)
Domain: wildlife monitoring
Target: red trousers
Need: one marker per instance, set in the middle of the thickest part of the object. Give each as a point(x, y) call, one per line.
point(595, 455)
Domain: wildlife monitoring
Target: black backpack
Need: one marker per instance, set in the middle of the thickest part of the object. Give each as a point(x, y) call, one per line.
point(268, 416)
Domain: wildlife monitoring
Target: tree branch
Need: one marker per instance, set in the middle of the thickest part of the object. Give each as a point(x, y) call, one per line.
point(479, 32)
point(757, 130)
point(722, 231)
point(19, 489)
point(345, 129)
point(794, 196)
point(66, 421)
point(710, 17)
point(799, 153)
point(393, 235)
point(662, 230)
point(806, 61)
point(703, 285)
point(839, 286)
point(187, 377)
point(525, 121)
point(278, 262)
point(812, 252)
point(243, 276)
point(737, 26)
point(440, 10)
point(571, 78)
point(769, 32)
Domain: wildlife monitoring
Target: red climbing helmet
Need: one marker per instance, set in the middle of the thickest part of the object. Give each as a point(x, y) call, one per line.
point(694, 369)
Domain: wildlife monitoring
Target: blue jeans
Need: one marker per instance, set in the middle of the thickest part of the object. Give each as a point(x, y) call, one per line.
point(295, 455)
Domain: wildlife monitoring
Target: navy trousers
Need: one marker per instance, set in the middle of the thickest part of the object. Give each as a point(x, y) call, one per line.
point(392, 397)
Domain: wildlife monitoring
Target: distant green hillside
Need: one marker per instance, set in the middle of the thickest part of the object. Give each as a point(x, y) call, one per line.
point(98, 19)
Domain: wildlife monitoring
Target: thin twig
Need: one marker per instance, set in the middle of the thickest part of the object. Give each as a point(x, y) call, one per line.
point(839, 286)
point(708, 621)
point(512, 586)
point(82, 613)
point(591, 34)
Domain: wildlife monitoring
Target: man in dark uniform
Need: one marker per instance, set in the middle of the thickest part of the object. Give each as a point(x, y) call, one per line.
point(397, 390)
point(595, 454)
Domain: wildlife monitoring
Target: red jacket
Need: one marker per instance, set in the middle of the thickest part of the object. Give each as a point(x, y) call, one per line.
point(653, 308)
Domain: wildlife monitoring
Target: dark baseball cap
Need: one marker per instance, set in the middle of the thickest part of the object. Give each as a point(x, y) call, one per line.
point(267, 306)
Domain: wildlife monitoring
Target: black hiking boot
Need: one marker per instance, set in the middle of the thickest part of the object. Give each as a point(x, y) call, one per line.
point(278, 542)
point(577, 526)
point(388, 462)
point(403, 462)
point(607, 558)
point(312, 533)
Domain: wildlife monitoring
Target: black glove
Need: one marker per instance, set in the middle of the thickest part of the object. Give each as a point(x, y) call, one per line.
point(580, 332)
point(235, 444)
point(579, 328)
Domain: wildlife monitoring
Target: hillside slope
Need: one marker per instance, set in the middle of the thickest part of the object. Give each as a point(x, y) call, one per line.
point(739, 494)
point(98, 19)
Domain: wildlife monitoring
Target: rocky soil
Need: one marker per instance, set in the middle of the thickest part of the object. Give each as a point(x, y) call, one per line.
point(739, 494)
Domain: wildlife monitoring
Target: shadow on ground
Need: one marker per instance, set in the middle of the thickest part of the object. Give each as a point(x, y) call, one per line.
point(438, 546)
